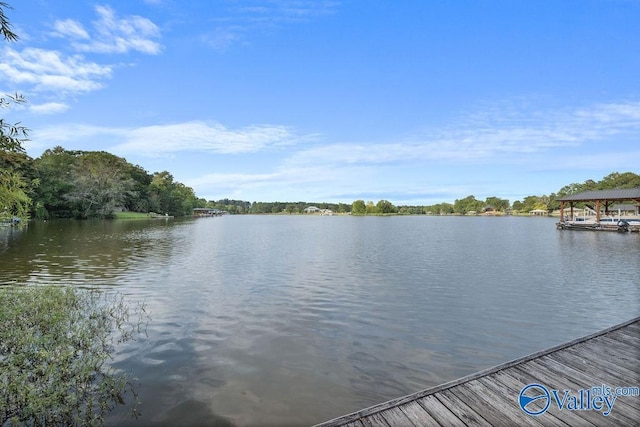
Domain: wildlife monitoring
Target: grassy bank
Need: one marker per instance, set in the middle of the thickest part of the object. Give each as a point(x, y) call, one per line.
point(132, 215)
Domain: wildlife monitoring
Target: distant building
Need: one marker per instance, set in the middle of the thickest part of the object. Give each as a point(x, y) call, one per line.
point(539, 212)
point(312, 209)
point(206, 212)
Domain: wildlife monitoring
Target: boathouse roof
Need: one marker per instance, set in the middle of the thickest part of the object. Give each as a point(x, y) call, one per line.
point(610, 195)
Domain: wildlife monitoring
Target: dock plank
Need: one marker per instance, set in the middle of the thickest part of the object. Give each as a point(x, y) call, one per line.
point(488, 409)
point(511, 396)
point(575, 383)
point(460, 409)
point(439, 412)
point(396, 418)
point(566, 417)
point(614, 370)
point(418, 414)
point(490, 397)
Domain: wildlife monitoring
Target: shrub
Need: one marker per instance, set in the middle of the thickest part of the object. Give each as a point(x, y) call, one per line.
point(54, 346)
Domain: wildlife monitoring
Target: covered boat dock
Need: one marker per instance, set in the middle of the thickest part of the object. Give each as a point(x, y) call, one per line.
point(602, 201)
point(200, 212)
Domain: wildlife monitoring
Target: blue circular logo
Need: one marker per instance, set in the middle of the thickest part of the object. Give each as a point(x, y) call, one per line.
point(534, 393)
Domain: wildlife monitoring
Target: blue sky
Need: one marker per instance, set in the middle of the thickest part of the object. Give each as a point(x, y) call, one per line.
point(413, 101)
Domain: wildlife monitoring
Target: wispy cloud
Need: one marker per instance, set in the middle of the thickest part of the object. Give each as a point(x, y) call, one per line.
point(44, 70)
point(195, 136)
point(70, 28)
point(201, 136)
point(49, 108)
point(244, 18)
point(111, 33)
point(495, 138)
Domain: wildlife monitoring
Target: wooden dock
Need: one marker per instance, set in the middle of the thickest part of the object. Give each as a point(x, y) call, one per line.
point(492, 397)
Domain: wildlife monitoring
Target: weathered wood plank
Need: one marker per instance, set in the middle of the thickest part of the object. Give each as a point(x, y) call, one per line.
point(510, 397)
point(439, 412)
point(599, 366)
point(377, 420)
point(396, 418)
point(603, 360)
point(460, 409)
point(580, 362)
point(525, 375)
point(587, 379)
point(633, 328)
point(418, 414)
point(575, 383)
point(630, 337)
point(492, 406)
point(620, 347)
point(580, 358)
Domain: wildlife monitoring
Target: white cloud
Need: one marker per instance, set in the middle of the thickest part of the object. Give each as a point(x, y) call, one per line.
point(62, 75)
point(234, 180)
point(111, 33)
point(50, 70)
point(223, 37)
point(512, 138)
point(70, 28)
point(49, 108)
point(201, 136)
point(195, 136)
point(245, 18)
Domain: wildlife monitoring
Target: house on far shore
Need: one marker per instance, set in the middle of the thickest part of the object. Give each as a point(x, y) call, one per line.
point(539, 212)
point(316, 210)
point(488, 210)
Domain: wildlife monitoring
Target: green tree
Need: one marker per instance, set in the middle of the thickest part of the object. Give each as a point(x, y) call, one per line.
point(54, 168)
point(466, 205)
point(55, 343)
point(13, 186)
point(13, 197)
point(370, 208)
point(99, 184)
point(619, 180)
point(518, 206)
point(358, 207)
point(137, 200)
point(183, 200)
point(5, 25)
point(497, 203)
point(385, 207)
point(160, 192)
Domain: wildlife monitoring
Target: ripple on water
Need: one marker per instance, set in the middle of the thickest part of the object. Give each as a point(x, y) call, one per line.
point(293, 320)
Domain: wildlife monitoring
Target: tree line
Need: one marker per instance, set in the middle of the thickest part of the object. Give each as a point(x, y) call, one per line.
point(465, 206)
point(95, 184)
point(91, 184)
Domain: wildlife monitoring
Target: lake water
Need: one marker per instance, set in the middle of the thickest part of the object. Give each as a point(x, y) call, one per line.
point(292, 320)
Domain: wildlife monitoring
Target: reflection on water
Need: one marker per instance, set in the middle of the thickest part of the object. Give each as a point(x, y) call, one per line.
point(293, 320)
